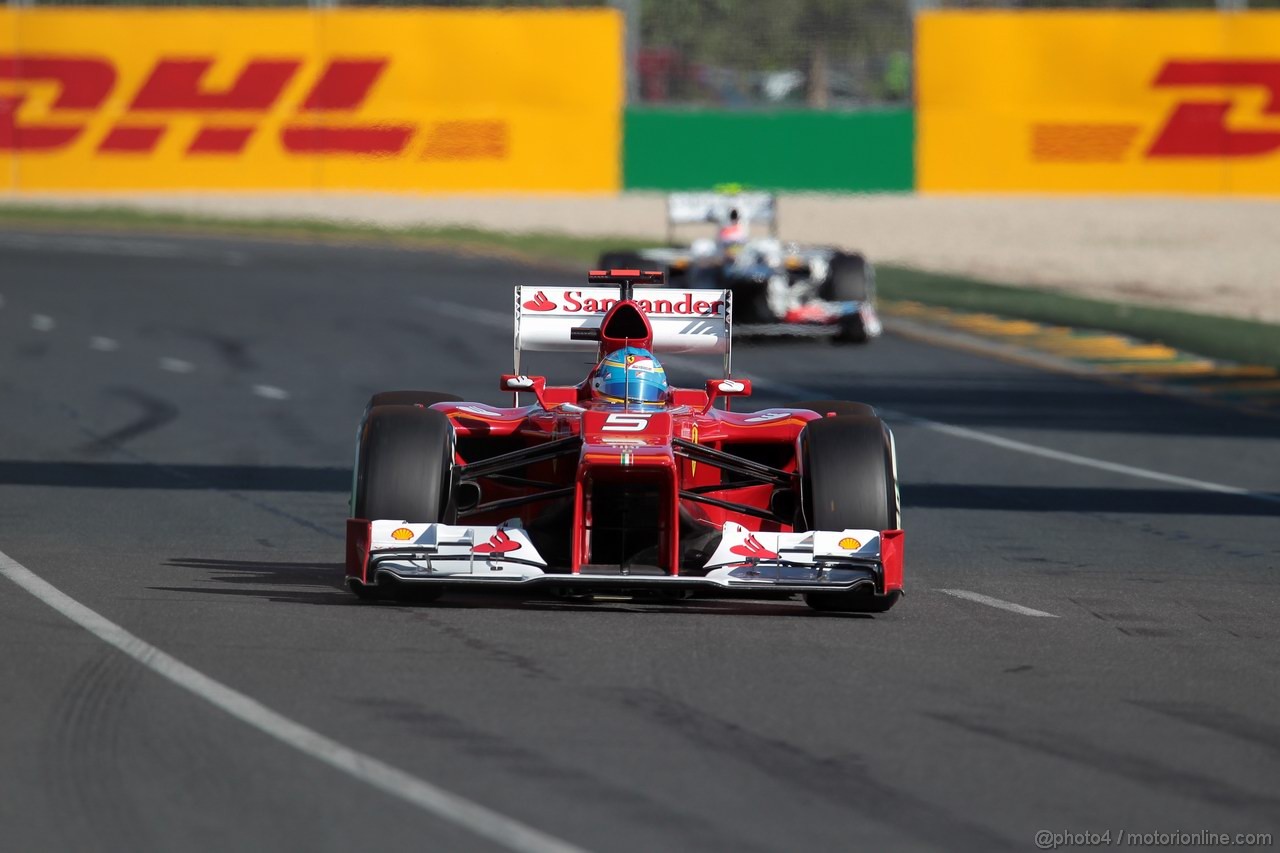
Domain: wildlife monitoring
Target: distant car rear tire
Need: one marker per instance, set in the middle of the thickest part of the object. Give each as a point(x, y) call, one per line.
point(403, 464)
point(849, 279)
point(853, 330)
point(849, 480)
point(622, 260)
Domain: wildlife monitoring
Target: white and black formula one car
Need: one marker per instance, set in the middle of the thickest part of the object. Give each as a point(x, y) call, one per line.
point(780, 288)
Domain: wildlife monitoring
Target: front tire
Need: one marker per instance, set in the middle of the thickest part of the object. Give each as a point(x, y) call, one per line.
point(849, 480)
point(403, 468)
point(405, 458)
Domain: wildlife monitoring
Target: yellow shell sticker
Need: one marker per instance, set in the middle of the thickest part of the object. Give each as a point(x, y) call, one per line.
point(849, 543)
point(402, 534)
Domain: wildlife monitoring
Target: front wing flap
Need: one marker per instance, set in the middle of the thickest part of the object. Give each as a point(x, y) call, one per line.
point(441, 551)
point(505, 555)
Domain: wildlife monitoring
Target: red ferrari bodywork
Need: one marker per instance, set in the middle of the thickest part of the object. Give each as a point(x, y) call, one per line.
point(607, 491)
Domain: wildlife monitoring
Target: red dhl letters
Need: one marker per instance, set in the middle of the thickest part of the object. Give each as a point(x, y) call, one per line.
point(1195, 128)
point(1199, 128)
point(233, 113)
point(83, 84)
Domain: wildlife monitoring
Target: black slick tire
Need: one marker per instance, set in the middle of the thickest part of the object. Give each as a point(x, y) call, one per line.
point(402, 472)
point(850, 279)
point(848, 481)
point(840, 407)
point(425, 399)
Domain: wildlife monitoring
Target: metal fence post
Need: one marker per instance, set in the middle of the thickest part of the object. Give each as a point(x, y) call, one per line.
point(630, 10)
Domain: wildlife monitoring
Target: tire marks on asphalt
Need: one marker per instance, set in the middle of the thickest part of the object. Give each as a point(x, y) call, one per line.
point(842, 781)
point(86, 767)
point(1131, 766)
point(487, 823)
point(156, 413)
point(233, 353)
point(576, 784)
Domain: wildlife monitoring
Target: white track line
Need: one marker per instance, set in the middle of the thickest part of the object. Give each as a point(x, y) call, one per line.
point(176, 365)
point(997, 603)
point(498, 319)
point(42, 322)
point(271, 392)
point(1088, 461)
point(502, 830)
point(101, 344)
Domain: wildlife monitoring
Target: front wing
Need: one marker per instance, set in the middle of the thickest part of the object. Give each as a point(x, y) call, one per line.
point(385, 551)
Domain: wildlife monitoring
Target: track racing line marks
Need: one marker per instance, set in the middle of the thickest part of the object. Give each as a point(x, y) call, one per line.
point(498, 828)
point(101, 343)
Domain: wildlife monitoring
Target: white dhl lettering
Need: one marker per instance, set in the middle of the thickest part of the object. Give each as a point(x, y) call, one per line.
point(574, 302)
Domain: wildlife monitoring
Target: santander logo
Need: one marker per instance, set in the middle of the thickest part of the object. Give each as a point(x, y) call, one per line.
point(499, 543)
point(540, 302)
point(598, 300)
point(751, 547)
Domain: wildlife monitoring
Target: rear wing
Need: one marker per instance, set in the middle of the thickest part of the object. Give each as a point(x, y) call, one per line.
point(567, 319)
point(693, 208)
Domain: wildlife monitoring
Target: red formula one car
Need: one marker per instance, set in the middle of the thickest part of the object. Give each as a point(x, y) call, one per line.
point(621, 483)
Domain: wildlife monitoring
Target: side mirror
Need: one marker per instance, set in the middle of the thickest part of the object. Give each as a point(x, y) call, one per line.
point(726, 388)
point(515, 383)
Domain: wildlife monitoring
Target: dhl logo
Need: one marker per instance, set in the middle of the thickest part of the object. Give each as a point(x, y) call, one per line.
point(231, 115)
point(1199, 126)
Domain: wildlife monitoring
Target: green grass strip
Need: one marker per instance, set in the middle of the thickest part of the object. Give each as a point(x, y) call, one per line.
point(552, 247)
point(1219, 337)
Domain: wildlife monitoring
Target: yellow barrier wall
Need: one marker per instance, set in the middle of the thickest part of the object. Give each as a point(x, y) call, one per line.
point(375, 99)
point(1178, 101)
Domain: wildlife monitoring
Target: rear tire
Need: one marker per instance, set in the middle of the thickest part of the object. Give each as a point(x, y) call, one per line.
point(848, 480)
point(425, 399)
point(853, 330)
point(840, 407)
point(850, 279)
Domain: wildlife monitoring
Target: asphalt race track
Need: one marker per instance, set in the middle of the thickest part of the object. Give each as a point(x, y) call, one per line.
point(1084, 646)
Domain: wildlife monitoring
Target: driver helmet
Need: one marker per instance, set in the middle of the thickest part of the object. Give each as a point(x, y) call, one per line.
point(734, 231)
point(630, 375)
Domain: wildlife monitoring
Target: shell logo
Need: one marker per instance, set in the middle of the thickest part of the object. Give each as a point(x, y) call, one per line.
point(402, 534)
point(849, 543)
